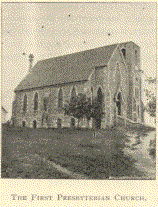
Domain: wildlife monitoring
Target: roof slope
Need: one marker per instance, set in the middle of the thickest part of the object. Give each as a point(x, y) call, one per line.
point(68, 68)
point(4, 110)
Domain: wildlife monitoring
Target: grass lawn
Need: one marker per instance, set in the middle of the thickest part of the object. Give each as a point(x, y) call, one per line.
point(77, 150)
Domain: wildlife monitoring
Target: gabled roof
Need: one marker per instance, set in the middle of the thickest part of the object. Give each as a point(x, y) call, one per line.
point(68, 68)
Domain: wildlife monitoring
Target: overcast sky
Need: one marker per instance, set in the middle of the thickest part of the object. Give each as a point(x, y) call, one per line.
point(53, 29)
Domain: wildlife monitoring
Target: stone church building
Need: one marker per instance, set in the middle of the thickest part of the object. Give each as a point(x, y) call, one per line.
point(113, 71)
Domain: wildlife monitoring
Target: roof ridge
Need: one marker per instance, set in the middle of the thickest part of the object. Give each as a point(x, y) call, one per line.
point(77, 52)
point(84, 51)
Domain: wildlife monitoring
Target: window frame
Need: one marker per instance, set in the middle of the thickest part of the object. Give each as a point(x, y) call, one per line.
point(36, 101)
point(60, 98)
point(123, 50)
point(25, 103)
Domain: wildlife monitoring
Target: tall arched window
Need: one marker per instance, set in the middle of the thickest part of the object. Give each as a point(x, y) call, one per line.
point(119, 103)
point(25, 103)
point(73, 94)
point(99, 108)
point(99, 96)
point(91, 94)
point(136, 57)
point(60, 98)
point(45, 103)
point(138, 110)
point(134, 104)
point(118, 75)
point(135, 117)
point(36, 101)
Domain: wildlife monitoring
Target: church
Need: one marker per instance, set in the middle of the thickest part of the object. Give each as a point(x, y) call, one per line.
point(113, 72)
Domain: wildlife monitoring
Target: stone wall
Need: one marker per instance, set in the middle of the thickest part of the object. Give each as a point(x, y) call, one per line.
point(99, 78)
point(117, 65)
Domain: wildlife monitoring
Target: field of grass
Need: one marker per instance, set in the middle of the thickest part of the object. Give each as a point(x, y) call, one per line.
point(96, 157)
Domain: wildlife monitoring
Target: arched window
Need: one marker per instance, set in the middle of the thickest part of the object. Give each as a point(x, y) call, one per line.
point(73, 94)
point(99, 96)
point(72, 122)
point(134, 104)
point(99, 109)
point(136, 57)
point(119, 103)
point(36, 101)
point(45, 103)
point(91, 94)
point(23, 124)
point(59, 123)
point(118, 75)
point(138, 110)
point(25, 103)
point(60, 98)
point(135, 117)
point(124, 52)
point(34, 124)
point(137, 93)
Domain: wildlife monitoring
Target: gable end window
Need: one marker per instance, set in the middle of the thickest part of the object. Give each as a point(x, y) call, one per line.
point(136, 57)
point(124, 53)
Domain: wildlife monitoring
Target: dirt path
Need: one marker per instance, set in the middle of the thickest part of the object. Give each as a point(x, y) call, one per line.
point(138, 148)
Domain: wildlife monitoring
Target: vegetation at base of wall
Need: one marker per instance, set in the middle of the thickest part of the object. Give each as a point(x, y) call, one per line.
point(151, 97)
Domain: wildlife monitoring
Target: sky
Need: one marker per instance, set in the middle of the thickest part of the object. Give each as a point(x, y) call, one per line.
point(52, 29)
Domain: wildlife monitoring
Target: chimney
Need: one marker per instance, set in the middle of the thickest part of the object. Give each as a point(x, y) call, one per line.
point(31, 57)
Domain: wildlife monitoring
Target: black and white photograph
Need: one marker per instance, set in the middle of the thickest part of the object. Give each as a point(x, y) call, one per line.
point(78, 86)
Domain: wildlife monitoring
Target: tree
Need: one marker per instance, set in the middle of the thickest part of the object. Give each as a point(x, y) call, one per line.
point(82, 107)
point(76, 107)
point(151, 105)
point(151, 98)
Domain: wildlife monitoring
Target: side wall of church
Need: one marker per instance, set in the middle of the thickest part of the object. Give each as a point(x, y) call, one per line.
point(54, 113)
